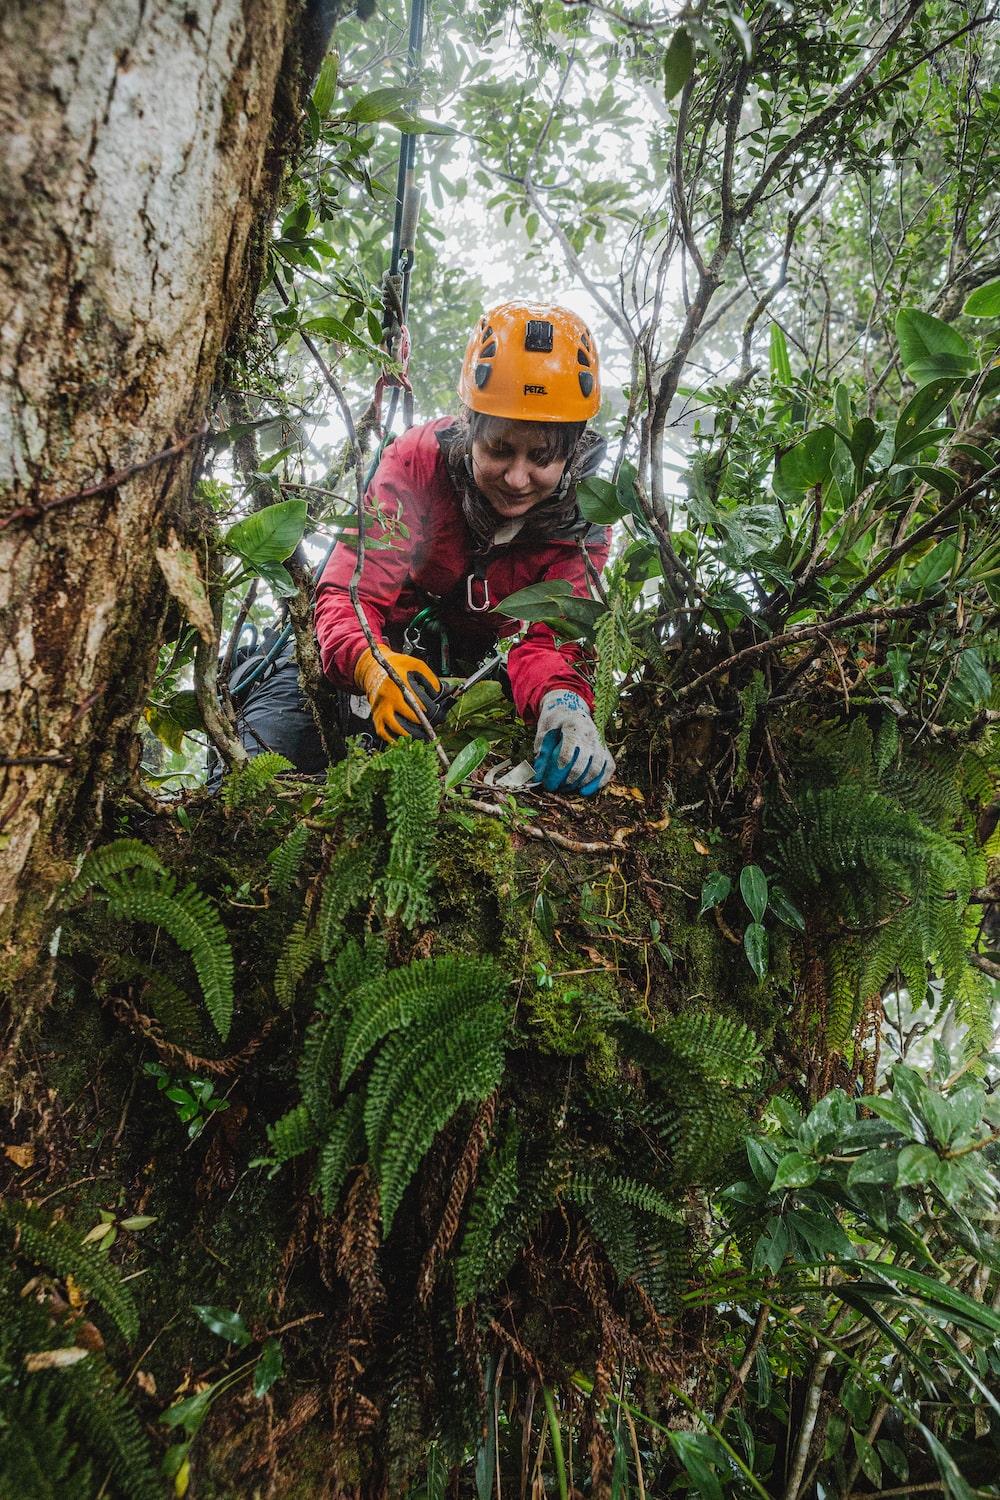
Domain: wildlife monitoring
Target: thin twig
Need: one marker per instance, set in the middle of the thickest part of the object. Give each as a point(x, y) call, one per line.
point(749, 1355)
point(533, 831)
point(36, 760)
point(809, 1415)
point(29, 512)
point(805, 633)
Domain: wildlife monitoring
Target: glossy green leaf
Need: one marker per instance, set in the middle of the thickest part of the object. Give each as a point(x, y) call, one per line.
point(795, 1170)
point(922, 337)
point(916, 1166)
point(781, 365)
point(871, 1464)
point(278, 579)
point(378, 105)
point(714, 891)
point(762, 1161)
point(269, 1368)
point(191, 1412)
point(269, 535)
point(525, 604)
point(784, 908)
point(466, 761)
point(335, 328)
point(678, 64)
point(921, 410)
point(599, 502)
point(942, 479)
point(755, 945)
point(228, 1325)
point(753, 889)
point(326, 85)
point(691, 1449)
point(809, 463)
point(984, 302)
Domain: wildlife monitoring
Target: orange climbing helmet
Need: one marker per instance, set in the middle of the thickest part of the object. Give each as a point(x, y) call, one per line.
point(531, 362)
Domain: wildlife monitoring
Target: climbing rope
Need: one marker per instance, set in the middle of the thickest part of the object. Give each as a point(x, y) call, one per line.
point(395, 334)
point(396, 282)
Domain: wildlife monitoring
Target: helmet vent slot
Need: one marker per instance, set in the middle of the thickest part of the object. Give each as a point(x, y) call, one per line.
point(483, 373)
point(489, 351)
point(586, 381)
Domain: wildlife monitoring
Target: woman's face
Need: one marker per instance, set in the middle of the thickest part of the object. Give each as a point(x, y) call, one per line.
point(514, 467)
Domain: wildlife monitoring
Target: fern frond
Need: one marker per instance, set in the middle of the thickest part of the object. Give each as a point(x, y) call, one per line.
point(626, 1191)
point(111, 860)
point(886, 747)
point(301, 948)
point(352, 966)
point(721, 1047)
point(974, 1009)
point(386, 1004)
point(348, 882)
point(638, 1228)
point(615, 654)
point(321, 1052)
point(248, 783)
point(172, 1006)
point(751, 698)
point(344, 1145)
point(843, 999)
point(290, 1136)
point(662, 1260)
point(495, 1192)
point(613, 1225)
point(461, 1064)
point(286, 859)
point(114, 1429)
point(412, 798)
point(57, 1247)
point(978, 778)
point(39, 1460)
point(193, 922)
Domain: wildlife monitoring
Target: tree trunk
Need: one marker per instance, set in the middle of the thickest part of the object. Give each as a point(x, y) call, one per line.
point(143, 142)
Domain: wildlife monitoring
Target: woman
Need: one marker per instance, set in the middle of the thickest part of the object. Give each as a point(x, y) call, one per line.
point(465, 511)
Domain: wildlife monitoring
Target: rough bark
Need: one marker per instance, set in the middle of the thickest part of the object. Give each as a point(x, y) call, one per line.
point(143, 142)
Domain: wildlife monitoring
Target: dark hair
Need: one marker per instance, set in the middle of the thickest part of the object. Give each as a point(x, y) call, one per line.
point(562, 436)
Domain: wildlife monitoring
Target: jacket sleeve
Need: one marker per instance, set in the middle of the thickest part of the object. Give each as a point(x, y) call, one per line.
point(392, 538)
point(539, 664)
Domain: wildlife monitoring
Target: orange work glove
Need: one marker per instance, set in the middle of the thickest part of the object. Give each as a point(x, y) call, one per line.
point(388, 704)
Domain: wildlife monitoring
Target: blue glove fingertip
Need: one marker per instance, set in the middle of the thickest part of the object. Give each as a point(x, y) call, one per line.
point(547, 757)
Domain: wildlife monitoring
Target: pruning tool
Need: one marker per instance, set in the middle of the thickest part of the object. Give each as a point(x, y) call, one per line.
point(438, 705)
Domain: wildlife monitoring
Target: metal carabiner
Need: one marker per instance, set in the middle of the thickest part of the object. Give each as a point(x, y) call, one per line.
point(478, 609)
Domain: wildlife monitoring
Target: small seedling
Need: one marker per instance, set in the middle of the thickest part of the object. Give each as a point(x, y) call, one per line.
point(192, 1097)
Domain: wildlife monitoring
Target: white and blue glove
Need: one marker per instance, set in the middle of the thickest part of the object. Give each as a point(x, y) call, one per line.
point(569, 753)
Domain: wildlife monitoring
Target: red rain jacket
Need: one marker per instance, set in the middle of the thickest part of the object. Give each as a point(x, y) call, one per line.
point(435, 560)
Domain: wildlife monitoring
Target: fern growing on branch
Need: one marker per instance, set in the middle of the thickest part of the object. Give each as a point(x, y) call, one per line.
point(437, 1030)
point(136, 888)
